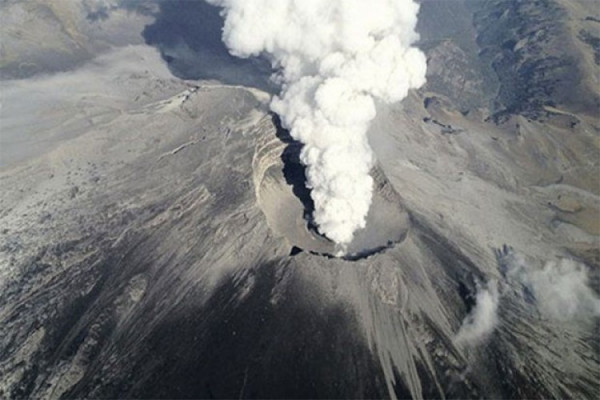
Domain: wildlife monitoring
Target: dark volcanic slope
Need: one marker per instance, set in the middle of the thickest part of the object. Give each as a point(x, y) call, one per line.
point(153, 239)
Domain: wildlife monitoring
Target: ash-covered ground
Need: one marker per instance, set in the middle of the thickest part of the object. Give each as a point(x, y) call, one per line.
point(155, 239)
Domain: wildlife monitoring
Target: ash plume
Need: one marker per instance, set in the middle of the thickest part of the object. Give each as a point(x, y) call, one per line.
point(334, 59)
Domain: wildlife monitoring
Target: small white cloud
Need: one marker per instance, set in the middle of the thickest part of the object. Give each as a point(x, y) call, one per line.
point(560, 288)
point(482, 319)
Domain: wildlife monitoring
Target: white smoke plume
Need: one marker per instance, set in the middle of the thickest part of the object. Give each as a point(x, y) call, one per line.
point(483, 318)
point(334, 59)
point(560, 287)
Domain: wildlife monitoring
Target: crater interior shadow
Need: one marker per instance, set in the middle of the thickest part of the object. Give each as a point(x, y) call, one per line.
point(188, 36)
point(293, 170)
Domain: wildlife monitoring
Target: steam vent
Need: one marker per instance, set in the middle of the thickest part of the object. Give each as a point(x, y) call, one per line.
point(326, 199)
point(282, 195)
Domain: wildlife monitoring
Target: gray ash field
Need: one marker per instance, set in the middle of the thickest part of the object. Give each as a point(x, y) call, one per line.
point(154, 223)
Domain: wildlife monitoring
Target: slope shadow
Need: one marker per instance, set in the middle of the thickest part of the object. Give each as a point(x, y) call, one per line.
point(188, 36)
point(252, 347)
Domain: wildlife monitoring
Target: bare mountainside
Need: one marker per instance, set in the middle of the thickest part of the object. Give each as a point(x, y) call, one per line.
point(155, 239)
